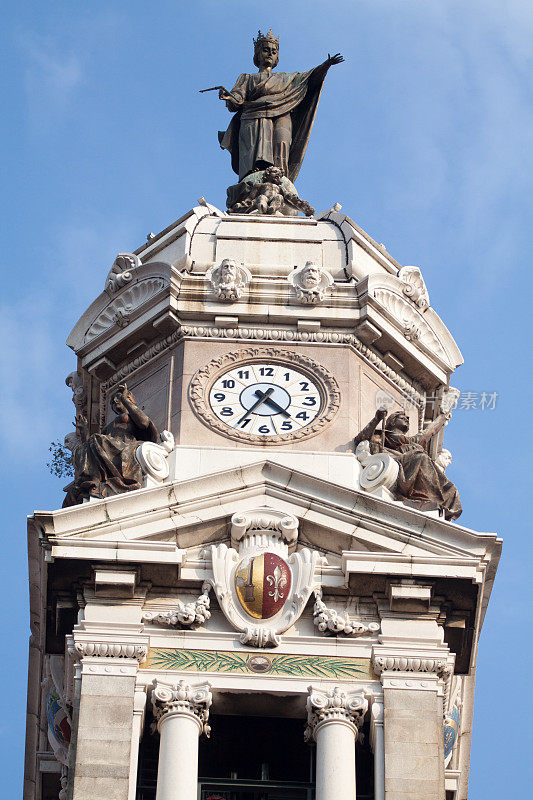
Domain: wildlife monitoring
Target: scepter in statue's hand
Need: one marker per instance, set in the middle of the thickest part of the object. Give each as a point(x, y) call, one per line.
point(223, 93)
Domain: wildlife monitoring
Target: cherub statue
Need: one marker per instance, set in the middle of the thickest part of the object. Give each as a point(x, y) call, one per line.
point(421, 481)
point(310, 282)
point(105, 463)
point(271, 195)
point(229, 279)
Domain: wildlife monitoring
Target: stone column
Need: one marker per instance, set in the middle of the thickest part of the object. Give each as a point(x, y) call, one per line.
point(182, 712)
point(139, 705)
point(413, 726)
point(378, 746)
point(101, 762)
point(333, 718)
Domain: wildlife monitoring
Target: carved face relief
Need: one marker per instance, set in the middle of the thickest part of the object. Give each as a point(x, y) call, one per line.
point(311, 276)
point(228, 272)
point(229, 279)
point(311, 283)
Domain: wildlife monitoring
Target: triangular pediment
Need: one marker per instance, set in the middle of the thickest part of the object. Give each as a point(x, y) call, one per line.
point(332, 519)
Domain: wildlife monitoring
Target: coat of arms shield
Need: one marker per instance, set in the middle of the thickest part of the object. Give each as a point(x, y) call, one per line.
point(263, 583)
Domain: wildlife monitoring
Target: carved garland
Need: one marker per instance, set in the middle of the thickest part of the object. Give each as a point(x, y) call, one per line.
point(205, 377)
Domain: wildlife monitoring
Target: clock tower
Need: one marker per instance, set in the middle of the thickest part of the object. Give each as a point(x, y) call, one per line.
point(257, 587)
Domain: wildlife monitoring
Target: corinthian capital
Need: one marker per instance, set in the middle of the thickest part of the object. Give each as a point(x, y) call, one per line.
point(334, 706)
point(171, 699)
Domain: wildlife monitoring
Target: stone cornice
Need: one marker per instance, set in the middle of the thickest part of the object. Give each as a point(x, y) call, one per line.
point(94, 646)
point(410, 389)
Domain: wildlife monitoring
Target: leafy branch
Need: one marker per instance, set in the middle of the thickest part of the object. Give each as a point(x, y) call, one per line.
point(60, 463)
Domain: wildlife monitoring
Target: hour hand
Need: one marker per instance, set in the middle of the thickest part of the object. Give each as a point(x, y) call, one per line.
point(261, 400)
point(270, 402)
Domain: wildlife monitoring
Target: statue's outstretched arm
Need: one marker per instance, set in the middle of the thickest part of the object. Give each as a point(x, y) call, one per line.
point(319, 73)
point(368, 431)
point(235, 99)
point(433, 428)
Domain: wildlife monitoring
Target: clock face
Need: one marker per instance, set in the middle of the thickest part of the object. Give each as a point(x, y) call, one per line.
point(266, 399)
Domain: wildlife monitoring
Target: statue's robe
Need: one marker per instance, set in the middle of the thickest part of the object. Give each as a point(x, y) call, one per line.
point(419, 480)
point(268, 96)
point(105, 463)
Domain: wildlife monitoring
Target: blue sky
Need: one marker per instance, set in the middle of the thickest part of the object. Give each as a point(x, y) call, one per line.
point(424, 134)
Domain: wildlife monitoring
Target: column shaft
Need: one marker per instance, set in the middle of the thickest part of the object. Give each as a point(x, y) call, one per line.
point(177, 776)
point(335, 760)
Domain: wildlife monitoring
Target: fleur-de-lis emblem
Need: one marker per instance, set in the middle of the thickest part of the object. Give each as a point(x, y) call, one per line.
point(278, 581)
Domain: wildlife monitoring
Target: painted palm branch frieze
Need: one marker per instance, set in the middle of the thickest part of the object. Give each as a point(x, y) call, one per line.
point(298, 666)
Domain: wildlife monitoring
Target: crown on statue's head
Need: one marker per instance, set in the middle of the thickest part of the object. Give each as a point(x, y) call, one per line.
point(266, 37)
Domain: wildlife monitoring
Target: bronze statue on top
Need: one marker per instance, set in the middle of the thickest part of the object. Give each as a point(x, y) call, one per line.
point(274, 114)
point(105, 463)
point(421, 482)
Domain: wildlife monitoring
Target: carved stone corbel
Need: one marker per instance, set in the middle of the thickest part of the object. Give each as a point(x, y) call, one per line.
point(329, 621)
point(185, 615)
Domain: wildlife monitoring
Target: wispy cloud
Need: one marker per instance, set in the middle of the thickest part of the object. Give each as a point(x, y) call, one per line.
point(52, 77)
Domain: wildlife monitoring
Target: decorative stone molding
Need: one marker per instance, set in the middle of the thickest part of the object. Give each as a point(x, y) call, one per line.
point(414, 287)
point(413, 392)
point(120, 310)
point(379, 470)
point(261, 589)
point(334, 706)
point(438, 666)
point(183, 699)
point(121, 272)
point(153, 457)
point(229, 279)
point(264, 526)
point(185, 615)
point(328, 620)
point(311, 283)
point(102, 649)
point(411, 322)
point(203, 379)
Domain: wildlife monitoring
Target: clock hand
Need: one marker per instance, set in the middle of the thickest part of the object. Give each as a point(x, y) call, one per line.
point(256, 405)
point(272, 403)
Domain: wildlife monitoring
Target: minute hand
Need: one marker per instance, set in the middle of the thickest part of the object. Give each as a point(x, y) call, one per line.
point(256, 405)
point(272, 403)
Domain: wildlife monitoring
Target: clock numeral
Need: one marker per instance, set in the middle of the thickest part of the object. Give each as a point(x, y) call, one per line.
point(264, 429)
point(226, 412)
point(244, 374)
point(309, 401)
point(229, 383)
point(287, 376)
point(302, 415)
point(266, 371)
point(245, 422)
point(304, 386)
point(219, 397)
point(286, 425)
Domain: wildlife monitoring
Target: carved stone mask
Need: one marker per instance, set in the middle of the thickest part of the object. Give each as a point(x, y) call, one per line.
point(228, 272)
point(311, 276)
